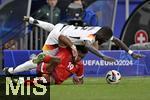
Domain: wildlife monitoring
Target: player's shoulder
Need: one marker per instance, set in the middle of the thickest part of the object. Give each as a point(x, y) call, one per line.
point(80, 63)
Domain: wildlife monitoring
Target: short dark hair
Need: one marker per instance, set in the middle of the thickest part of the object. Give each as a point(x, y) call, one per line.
point(104, 34)
point(82, 49)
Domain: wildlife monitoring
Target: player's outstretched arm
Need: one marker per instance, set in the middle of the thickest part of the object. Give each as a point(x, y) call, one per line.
point(97, 53)
point(44, 25)
point(122, 45)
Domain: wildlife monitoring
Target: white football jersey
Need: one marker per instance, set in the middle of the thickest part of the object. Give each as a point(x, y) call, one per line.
point(76, 34)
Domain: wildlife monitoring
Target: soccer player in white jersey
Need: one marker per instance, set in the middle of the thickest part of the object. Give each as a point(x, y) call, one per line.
point(80, 36)
point(70, 35)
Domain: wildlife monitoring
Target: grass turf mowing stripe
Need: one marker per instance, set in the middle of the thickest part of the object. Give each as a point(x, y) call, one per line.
point(133, 88)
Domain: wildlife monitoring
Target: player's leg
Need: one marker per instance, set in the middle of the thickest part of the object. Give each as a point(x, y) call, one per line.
point(48, 64)
point(28, 65)
point(23, 67)
point(46, 26)
point(31, 64)
point(45, 70)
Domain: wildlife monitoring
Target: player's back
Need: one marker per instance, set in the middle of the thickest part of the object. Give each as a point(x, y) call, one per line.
point(79, 34)
point(75, 33)
point(65, 69)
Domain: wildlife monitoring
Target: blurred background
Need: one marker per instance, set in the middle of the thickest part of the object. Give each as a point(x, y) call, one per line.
point(132, 28)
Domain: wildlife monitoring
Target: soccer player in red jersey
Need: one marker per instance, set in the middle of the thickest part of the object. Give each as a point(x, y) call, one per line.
point(57, 73)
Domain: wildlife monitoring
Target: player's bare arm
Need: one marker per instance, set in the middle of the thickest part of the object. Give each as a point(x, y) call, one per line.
point(93, 50)
point(120, 44)
point(66, 41)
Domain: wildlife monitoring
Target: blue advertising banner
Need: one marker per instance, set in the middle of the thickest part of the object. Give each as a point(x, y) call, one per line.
point(125, 64)
point(94, 66)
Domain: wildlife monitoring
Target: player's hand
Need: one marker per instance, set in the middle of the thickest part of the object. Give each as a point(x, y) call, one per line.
point(77, 81)
point(74, 53)
point(26, 18)
point(137, 56)
point(109, 59)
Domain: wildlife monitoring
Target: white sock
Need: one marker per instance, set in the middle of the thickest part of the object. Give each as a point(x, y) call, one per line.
point(24, 67)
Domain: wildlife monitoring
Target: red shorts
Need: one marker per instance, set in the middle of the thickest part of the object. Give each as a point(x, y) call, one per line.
point(41, 69)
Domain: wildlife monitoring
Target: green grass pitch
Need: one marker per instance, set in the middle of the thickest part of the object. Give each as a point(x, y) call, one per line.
point(130, 88)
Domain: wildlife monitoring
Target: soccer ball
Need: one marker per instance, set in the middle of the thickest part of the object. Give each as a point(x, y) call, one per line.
point(113, 77)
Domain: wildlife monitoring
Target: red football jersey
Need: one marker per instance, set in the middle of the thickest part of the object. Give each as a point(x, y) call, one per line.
point(65, 69)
